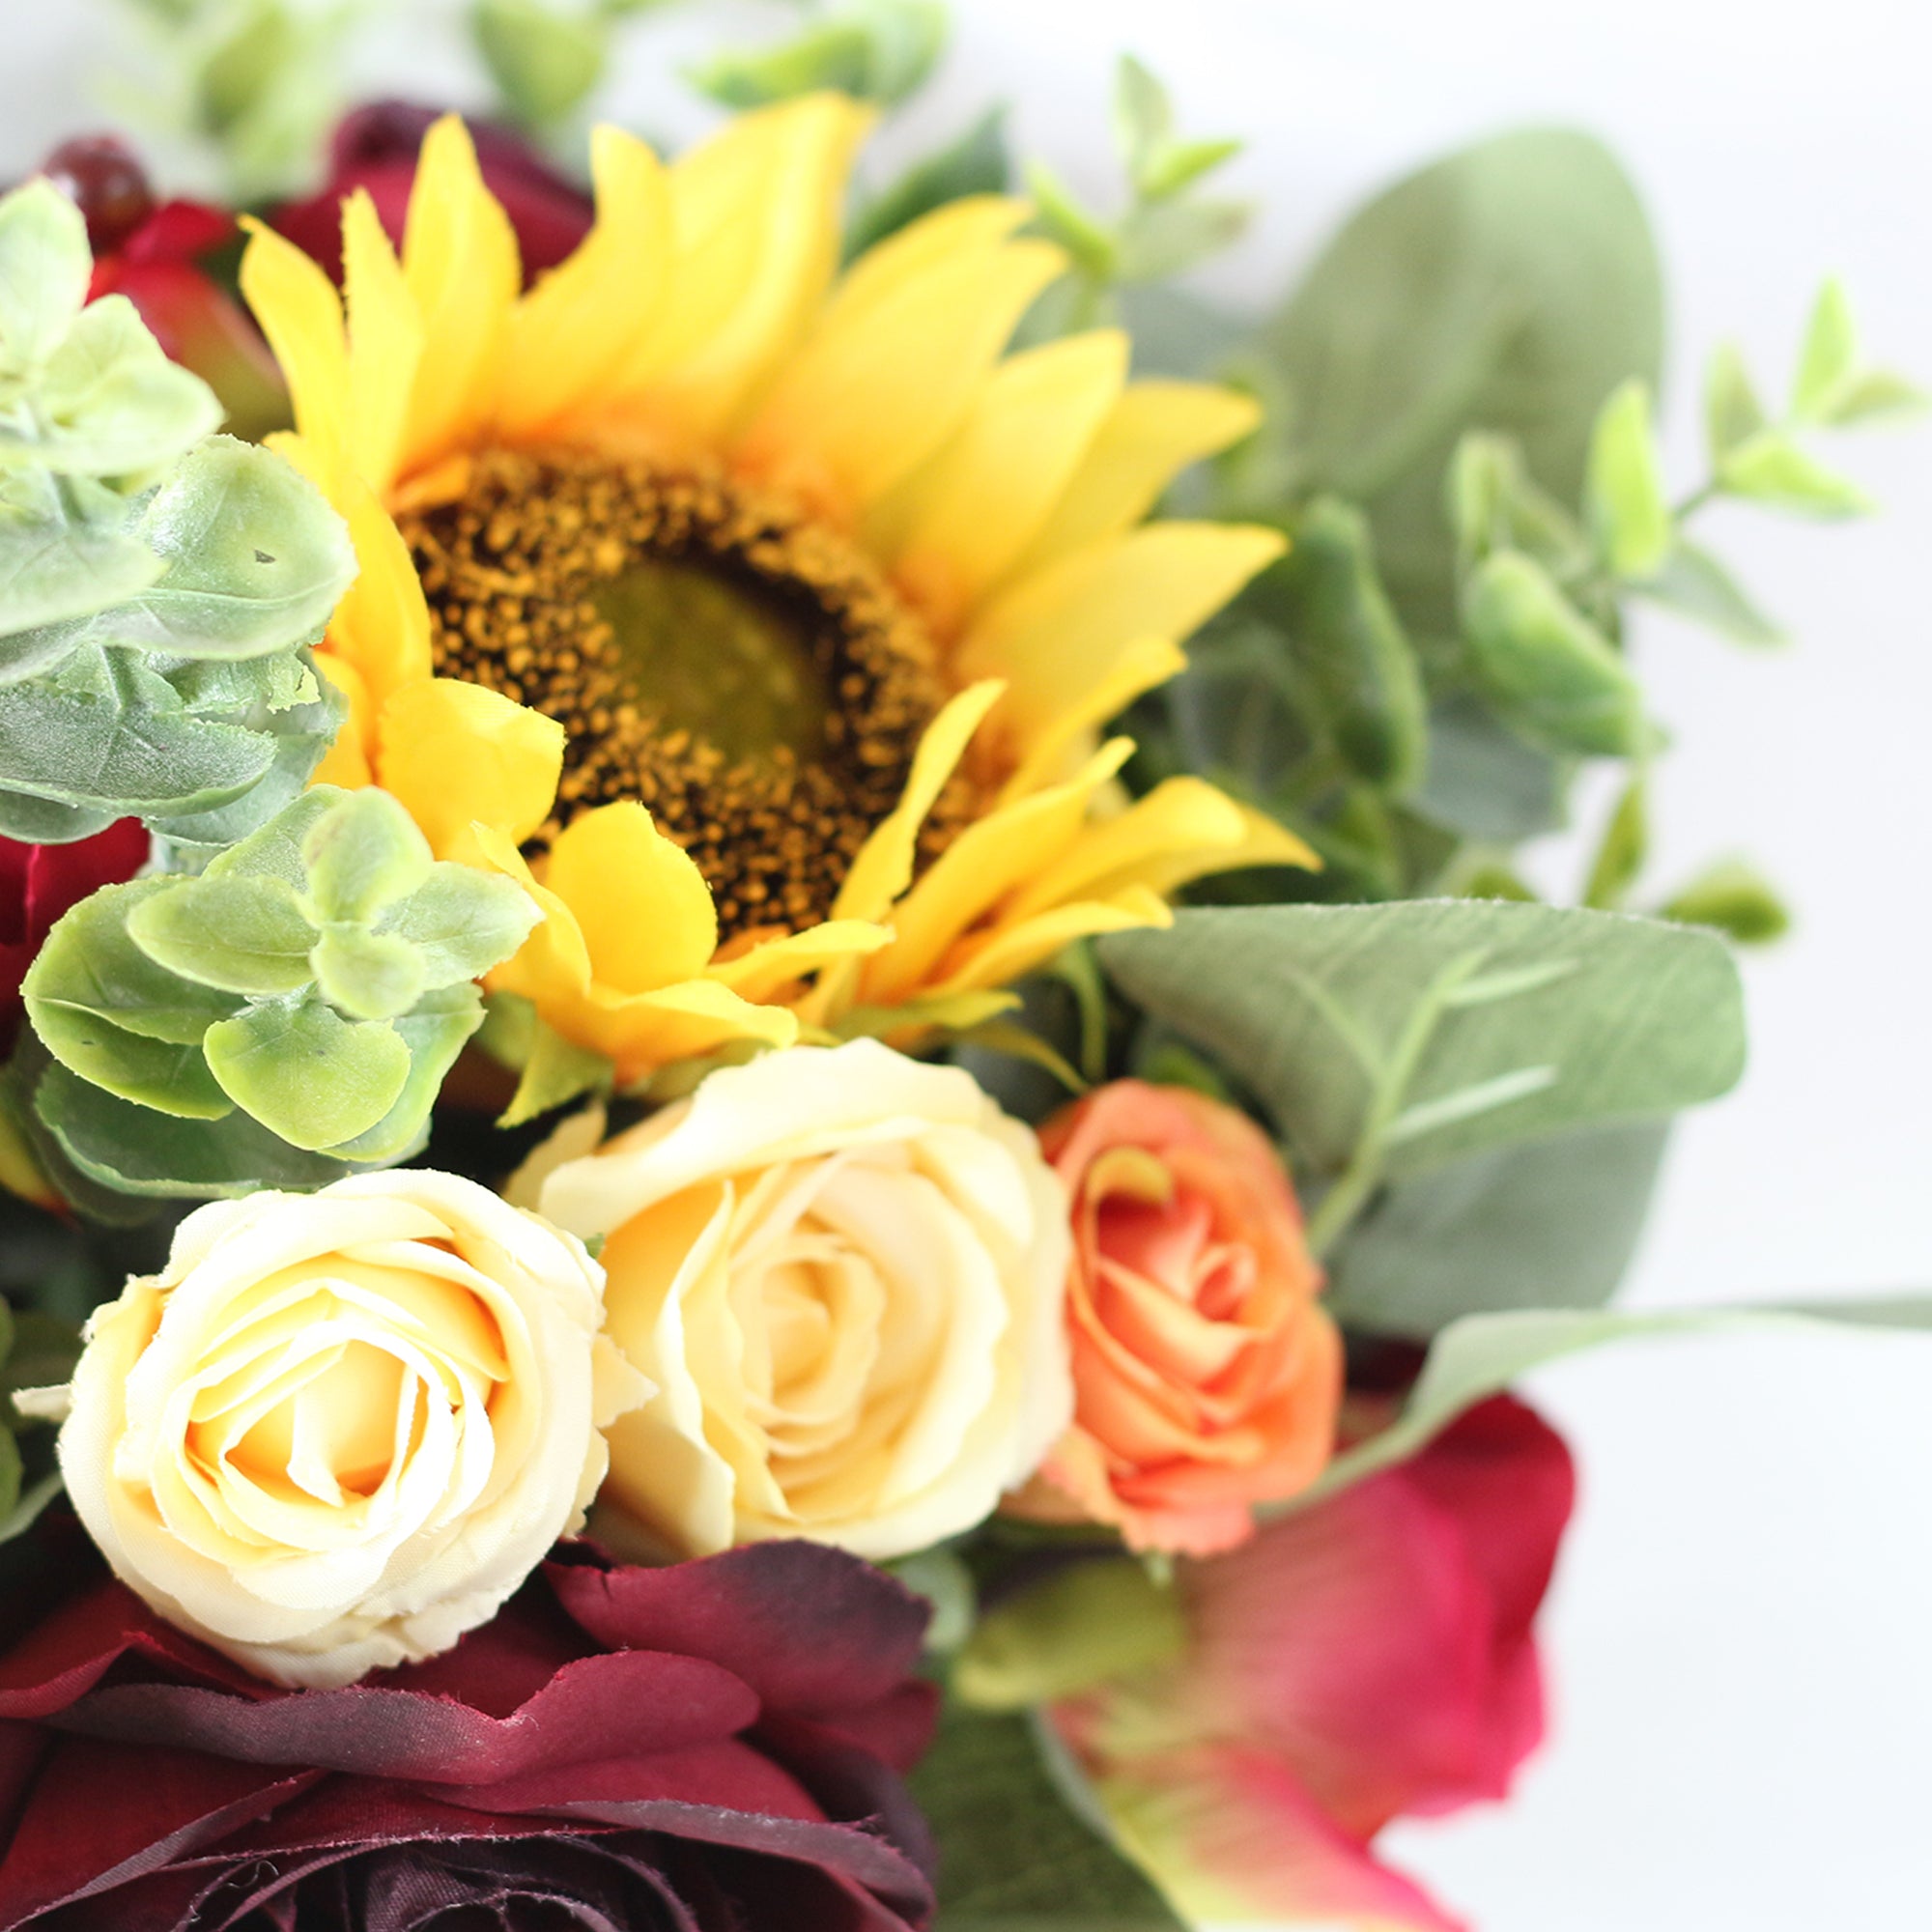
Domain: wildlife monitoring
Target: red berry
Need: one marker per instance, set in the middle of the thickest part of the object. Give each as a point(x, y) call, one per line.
point(103, 177)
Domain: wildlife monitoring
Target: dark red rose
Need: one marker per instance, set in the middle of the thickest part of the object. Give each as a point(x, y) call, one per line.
point(39, 883)
point(709, 1747)
point(375, 148)
point(154, 253)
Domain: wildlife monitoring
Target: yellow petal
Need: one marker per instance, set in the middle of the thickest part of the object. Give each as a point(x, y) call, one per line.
point(346, 763)
point(985, 496)
point(553, 966)
point(883, 867)
point(643, 908)
point(385, 340)
point(301, 315)
point(696, 1016)
point(1141, 666)
point(460, 260)
point(455, 753)
point(768, 969)
point(1059, 635)
point(881, 383)
point(575, 329)
point(1155, 431)
point(1181, 830)
point(755, 219)
point(1010, 952)
point(985, 863)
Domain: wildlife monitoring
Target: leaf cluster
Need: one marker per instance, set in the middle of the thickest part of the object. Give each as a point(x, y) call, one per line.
point(288, 1015)
point(159, 584)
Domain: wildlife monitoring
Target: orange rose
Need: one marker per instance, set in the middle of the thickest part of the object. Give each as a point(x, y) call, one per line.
point(1206, 1375)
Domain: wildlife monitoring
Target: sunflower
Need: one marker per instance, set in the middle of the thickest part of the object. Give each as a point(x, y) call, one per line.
point(761, 619)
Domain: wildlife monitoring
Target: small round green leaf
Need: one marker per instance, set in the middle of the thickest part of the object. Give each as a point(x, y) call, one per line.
point(361, 856)
point(242, 935)
point(306, 1073)
point(367, 975)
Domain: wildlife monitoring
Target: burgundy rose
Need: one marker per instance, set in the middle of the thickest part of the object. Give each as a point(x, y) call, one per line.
point(710, 1748)
point(39, 883)
point(375, 148)
point(154, 253)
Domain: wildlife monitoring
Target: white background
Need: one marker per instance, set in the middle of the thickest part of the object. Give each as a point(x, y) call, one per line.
point(1740, 1633)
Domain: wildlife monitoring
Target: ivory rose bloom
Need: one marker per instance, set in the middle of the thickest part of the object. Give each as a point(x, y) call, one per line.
point(842, 1269)
point(1206, 1375)
point(340, 1429)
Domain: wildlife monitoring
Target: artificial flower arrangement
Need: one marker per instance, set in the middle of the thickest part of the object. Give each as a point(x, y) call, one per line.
point(733, 1207)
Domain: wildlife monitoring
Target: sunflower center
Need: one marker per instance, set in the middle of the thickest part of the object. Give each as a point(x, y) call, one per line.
point(740, 670)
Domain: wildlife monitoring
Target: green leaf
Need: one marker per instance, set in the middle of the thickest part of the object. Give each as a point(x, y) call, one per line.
point(9, 1481)
point(276, 850)
point(871, 49)
point(306, 1073)
point(1013, 1856)
point(1732, 412)
point(1629, 514)
point(1181, 163)
point(1088, 1620)
point(556, 1071)
point(56, 566)
point(1735, 899)
point(1550, 672)
point(240, 935)
point(1508, 287)
point(43, 1355)
point(462, 922)
point(1482, 1354)
point(1165, 239)
point(136, 1150)
point(1142, 114)
point(1620, 856)
point(168, 1076)
point(101, 752)
point(433, 1034)
point(1829, 358)
point(1339, 1016)
point(1874, 393)
point(1089, 244)
point(1771, 468)
point(1349, 647)
point(256, 557)
point(1484, 781)
point(368, 975)
point(976, 163)
point(1694, 584)
point(1551, 1224)
point(110, 402)
point(45, 267)
point(544, 63)
point(362, 856)
point(41, 821)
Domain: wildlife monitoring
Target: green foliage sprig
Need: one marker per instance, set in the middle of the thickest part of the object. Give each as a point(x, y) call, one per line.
point(287, 1014)
point(157, 582)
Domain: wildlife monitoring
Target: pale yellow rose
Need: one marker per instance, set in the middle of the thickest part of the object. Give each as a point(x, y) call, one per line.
point(339, 1429)
point(843, 1270)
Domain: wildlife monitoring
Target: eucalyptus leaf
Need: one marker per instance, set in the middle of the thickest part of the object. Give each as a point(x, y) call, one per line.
point(1771, 468)
point(1338, 1017)
point(57, 567)
point(544, 62)
point(45, 821)
point(1694, 584)
point(368, 975)
point(1014, 1855)
point(1829, 360)
point(1484, 781)
point(1732, 412)
point(461, 921)
point(306, 1073)
point(240, 935)
point(1510, 287)
point(1734, 898)
point(1622, 852)
point(433, 1034)
point(276, 850)
point(45, 267)
point(1551, 1224)
point(1624, 491)
point(362, 856)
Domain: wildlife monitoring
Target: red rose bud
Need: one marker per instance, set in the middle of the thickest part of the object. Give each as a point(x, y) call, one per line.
point(376, 147)
point(151, 253)
point(699, 1749)
point(39, 883)
point(1364, 1658)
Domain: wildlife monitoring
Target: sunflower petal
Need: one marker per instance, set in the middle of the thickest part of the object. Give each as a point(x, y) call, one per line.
point(572, 332)
point(385, 340)
point(346, 763)
point(646, 1031)
point(552, 965)
point(755, 219)
point(979, 870)
point(1145, 665)
point(1183, 829)
point(765, 970)
point(301, 314)
point(460, 260)
point(881, 383)
point(1155, 431)
point(984, 496)
point(643, 906)
point(1061, 635)
point(1011, 950)
point(455, 753)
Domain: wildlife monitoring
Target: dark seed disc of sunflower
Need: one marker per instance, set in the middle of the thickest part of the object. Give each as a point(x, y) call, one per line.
point(739, 668)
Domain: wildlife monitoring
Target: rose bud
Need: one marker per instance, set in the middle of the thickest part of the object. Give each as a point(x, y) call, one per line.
point(1365, 1657)
point(152, 253)
point(842, 1269)
point(1206, 1377)
point(375, 148)
point(338, 1430)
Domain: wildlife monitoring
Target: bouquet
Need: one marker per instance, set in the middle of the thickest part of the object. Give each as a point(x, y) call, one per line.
point(784, 1103)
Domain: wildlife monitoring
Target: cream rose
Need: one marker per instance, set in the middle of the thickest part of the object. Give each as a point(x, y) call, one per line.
point(843, 1270)
point(340, 1429)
